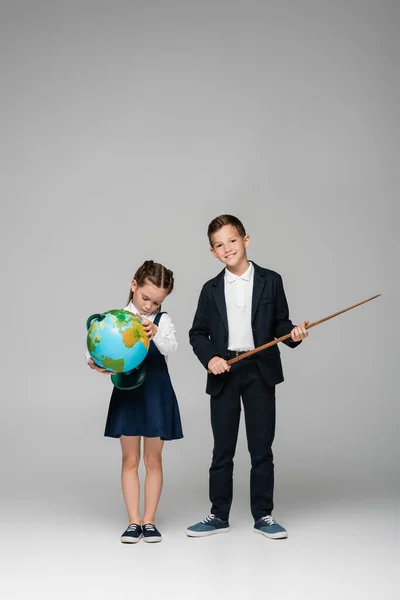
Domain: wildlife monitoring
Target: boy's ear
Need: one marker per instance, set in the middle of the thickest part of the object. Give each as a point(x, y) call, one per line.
point(213, 252)
point(246, 241)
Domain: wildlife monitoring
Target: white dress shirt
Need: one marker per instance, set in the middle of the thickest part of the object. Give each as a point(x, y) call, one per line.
point(164, 339)
point(238, 298)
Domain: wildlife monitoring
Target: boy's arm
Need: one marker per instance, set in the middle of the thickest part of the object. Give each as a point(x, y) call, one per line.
point(199, 334)
point(283, 325)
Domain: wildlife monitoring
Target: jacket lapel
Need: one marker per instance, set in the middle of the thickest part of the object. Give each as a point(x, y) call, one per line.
point(258, 287)
point(219, 297)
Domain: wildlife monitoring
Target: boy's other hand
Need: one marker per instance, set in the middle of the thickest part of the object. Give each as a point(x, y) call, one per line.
point(299, 332)
point(218, 365)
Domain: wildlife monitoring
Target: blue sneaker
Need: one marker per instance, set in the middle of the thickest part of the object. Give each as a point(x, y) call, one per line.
point(151, 533)
point(270, 528)
point(208, 526)
point(132, 535)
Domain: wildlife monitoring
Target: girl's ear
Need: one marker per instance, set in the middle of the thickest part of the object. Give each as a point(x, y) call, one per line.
point(134, 285)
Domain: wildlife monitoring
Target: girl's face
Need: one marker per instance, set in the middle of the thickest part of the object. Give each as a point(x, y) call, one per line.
point(229, 247)
point(147, 298)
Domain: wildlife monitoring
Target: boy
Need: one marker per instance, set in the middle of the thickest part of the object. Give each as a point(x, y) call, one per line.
point(243, 307)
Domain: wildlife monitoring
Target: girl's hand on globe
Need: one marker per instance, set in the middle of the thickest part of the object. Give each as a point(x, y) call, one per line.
point(93, 366)
point(148, 326)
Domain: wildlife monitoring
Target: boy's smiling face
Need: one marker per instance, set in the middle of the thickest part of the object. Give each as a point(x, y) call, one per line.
point(230, 248)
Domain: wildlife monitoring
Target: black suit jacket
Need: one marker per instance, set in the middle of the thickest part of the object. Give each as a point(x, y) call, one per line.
point(269, 318)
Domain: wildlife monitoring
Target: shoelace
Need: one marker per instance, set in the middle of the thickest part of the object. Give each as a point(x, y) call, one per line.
point(269, 520)
point(132, 527)
point(210, 517)
point(149, 527)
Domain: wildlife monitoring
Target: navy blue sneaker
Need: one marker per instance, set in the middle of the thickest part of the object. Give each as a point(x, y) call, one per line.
point(270, 528)
point(208, 526)
point(132, 535)
point(151, 533)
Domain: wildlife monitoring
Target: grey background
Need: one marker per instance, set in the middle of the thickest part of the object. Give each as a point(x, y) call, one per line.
point(126, 127)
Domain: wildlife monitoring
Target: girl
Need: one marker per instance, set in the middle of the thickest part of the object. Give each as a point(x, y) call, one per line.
point(150, 411)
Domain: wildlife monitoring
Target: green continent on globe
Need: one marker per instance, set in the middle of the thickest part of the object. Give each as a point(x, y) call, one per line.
point(94, 338)
point(113, 365)
point(122, 319)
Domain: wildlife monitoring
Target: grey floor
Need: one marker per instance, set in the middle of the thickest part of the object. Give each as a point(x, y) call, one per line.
point(343, 543)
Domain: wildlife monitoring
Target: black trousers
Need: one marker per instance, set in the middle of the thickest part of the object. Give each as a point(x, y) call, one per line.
point(244, 382)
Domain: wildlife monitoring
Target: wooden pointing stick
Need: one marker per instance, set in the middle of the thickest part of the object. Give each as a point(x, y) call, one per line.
point(287, 336)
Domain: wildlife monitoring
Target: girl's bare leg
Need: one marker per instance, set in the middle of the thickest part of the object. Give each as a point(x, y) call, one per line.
point(129, 477)
point(154, 477)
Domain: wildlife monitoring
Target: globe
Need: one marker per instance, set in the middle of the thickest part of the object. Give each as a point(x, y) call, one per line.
point(116, 340)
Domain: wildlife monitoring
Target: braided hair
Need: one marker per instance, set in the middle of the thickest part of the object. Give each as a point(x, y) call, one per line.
point(156, 274)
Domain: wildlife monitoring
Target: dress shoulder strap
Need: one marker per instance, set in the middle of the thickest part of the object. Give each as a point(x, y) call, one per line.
point(157, 318)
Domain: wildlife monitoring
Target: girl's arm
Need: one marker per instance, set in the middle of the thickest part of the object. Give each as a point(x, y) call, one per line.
point(165, 339)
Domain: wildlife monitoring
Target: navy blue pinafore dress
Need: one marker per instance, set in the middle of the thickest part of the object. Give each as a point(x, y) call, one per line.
point(151, 410)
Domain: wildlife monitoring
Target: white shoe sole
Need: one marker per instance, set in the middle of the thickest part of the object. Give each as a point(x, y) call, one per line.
point(152, 540)
point(190, 533)
point(129, 540)
point(273, 536)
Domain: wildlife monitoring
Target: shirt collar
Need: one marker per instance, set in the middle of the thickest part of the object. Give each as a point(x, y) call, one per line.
point(247, 275)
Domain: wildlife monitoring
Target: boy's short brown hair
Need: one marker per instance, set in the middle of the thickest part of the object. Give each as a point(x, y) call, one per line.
point(219, 222)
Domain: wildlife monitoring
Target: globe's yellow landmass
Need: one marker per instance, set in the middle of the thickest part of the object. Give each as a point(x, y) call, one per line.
point(131, 336)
